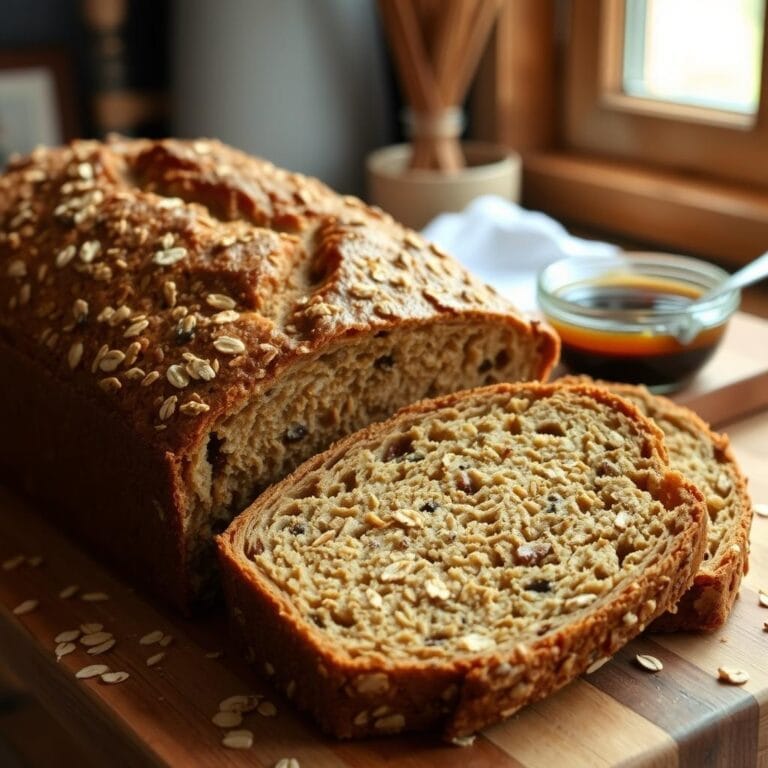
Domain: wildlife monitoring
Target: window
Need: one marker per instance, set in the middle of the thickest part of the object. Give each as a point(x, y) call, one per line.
point(652, 125)
point(714, 65)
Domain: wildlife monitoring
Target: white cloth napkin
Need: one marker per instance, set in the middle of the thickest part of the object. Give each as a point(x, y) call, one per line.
point(507, 246)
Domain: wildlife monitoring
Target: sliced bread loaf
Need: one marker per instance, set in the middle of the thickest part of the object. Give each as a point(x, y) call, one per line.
point(468, 556)
point(182, 325)
point(705, 457)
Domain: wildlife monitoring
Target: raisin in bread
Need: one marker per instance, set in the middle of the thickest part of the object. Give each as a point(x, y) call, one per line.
point(705, 457)
point(470, 555)
point(182, 324)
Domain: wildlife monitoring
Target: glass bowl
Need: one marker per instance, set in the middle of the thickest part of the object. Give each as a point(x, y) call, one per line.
point(625, 317)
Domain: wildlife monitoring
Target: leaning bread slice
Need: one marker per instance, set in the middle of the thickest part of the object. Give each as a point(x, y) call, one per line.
point(470, 555)
point(705, 457)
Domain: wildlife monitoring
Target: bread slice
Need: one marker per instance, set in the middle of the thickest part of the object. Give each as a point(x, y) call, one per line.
point(182, 325)
point(705, 457)
point(468, 556)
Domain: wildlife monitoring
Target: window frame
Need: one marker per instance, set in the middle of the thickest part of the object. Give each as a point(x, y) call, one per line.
point(605, 165)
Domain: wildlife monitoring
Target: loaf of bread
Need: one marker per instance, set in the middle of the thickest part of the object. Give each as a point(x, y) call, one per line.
point(470, 555)
point(182, 324)
point(704, 457)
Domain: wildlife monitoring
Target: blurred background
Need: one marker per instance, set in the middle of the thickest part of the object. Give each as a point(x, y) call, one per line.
point(640, 121)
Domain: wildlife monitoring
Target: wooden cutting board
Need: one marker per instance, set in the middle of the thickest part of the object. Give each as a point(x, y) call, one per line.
point(160, 715)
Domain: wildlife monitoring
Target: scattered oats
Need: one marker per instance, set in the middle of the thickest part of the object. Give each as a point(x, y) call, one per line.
point(135, 329)
point(12, 563)
point(242, 739)
point(133, 351)
point(167, 240)
point(622, 520)
point(114, 677)
point(170, 203)
point(91, 628)
point(629, 619)
point(649, 663)
point(227, 316)
point(361, 291)
point(67, 636)
point(85, 171)
point(93, 670)
point(361, 718)
point(94, 597)
point(177, 376)
point(97, 360)
point(732, 675)
point(409, 518)
point(64, 649)
point(89, 250)
point(763, 598)
point(227, 719)
point(66, 255)
point(168, 408)
point(214, 654)
point(122, 313)
point(170, 293)
point(269, 669)
point(75, 355)
point(134, 374)
point(374, 598)
point(287, 762)
point(595, 665)
point(26, 607)
point(198, 368)
point(194, 408)
point(95, 638)
point(220, 301)
point(97, 650)
point(412, 239)
point(396, 571)
point(105, 315)
point(111, 360)
point(166, 640)
point(17, 268)
point(436, 589)
point(110, 384)
point(170, 256)
point(151, 637)
point(761, 510)
point(463, 741)
point(156, 659)
point(580, 601)
point(150, 378)
point(229, 345)
point(80, 310)
point(266, 709)
point(476, 642)
point(69, 591)
point(323, 538)
point(240, 702)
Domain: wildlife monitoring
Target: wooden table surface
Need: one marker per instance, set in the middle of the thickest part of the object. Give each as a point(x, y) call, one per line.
point(619, 715)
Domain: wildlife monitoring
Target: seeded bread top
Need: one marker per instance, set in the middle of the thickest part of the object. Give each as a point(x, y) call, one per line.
point(476, 521)
point(163, 278)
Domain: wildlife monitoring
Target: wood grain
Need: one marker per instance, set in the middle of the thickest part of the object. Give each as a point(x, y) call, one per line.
point(681, 716)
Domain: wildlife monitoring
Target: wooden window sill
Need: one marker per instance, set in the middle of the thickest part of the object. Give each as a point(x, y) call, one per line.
point(666, 210)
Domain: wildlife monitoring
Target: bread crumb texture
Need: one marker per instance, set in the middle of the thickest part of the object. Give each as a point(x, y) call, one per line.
point(493, 520)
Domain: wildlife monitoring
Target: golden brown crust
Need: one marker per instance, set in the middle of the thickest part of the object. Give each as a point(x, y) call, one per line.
point(467, 693)
point(166, 284)
point(708, 603)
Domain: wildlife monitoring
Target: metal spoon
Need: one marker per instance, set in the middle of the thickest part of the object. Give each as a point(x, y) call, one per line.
point(752, 273)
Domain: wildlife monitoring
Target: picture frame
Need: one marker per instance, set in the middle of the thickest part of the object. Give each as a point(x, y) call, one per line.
point(36, 100)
